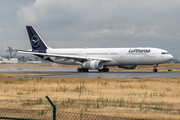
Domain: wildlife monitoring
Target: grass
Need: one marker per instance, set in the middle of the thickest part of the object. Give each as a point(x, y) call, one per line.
point(102, 91)
point(19, 93)
point(41, 113)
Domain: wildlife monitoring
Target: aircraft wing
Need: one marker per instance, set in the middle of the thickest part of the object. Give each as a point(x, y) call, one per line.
point(59, 56)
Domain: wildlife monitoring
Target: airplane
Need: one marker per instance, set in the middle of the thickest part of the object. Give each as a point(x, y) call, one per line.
point(96, 58)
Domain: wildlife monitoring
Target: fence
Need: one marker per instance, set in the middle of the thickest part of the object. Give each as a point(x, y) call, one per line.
point(41, 108)
point(60, 115)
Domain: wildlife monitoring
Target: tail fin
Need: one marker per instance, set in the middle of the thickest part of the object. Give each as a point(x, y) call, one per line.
point(36, 41)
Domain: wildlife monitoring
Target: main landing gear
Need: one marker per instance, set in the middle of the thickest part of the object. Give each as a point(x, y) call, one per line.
point(104, 70)
point(155, 68)
point(82, 70)
point(86, 70)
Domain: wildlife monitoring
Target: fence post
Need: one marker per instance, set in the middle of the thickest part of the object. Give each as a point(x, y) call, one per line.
point(54, 108)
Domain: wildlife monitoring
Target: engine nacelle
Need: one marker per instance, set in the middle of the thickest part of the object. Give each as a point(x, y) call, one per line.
point(93, 65)
point(128, 66)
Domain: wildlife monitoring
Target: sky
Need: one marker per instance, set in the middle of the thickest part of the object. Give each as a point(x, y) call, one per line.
point(92, 23)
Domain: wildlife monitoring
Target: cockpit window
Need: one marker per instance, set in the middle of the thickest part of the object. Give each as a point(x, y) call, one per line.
point(164, 53)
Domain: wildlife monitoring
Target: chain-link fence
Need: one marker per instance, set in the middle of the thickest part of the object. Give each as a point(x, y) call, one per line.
point(26, 113)
point(80, 116)
point(41, 108)
point(60, 115)
point(47, 115)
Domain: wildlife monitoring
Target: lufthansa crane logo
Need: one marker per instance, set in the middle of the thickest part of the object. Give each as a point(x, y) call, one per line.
point(35, 41)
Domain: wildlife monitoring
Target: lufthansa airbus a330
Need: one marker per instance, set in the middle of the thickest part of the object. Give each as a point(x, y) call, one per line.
point(96, 58)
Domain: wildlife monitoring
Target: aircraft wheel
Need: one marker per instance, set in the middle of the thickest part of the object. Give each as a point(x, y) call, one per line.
point(79, 69)
point(104, 70)
point(155, 70)
point(86, 70)
point(82, 70)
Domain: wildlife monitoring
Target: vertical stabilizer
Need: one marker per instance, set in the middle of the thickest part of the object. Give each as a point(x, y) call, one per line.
point(36, 41)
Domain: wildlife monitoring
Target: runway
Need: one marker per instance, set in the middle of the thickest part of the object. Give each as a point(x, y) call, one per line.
point(94, 74)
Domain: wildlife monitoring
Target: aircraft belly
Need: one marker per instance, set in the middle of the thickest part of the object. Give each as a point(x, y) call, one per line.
point(113, 63)
point(136, 60)
point(129, 60)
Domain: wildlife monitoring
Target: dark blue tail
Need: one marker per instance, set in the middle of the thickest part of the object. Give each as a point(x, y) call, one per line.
point(38, 45)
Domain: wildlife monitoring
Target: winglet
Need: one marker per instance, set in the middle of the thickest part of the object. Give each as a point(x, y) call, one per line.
point(10, 48)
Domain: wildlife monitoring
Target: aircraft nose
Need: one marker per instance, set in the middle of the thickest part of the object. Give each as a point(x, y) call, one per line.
point(170, 57)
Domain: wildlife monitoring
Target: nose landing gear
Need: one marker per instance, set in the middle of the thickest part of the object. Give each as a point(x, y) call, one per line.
point(155, 68)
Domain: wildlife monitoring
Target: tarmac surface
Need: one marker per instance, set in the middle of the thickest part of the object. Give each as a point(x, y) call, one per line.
point(94, 74)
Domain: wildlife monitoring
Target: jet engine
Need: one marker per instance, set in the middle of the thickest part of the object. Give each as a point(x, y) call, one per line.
point(93, 65)
point(128, 66)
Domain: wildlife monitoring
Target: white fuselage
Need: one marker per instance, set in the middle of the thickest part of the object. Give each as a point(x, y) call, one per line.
point(117, 56)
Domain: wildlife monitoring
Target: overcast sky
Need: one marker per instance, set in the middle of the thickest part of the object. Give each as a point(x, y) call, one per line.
point(92, 23)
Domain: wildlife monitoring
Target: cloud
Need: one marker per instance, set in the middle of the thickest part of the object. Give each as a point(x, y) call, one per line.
point(153, 31)
point(1, 31)
point(106, 32)
point(141, 17)
point(104, 23)
point(6, 32)
point(26, 15)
